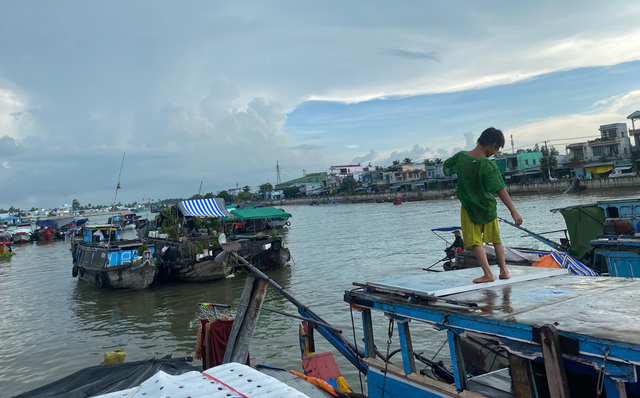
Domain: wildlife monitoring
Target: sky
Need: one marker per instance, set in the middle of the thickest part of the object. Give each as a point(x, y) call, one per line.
point(219, 91)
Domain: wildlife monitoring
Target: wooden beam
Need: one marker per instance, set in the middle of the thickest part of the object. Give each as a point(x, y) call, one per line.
point(237, 323)
point(243, 341)
point(553, 362)
point(408, 358)
point(524, 383)
point(457, 361)
point(614, 388)
point(367, 326)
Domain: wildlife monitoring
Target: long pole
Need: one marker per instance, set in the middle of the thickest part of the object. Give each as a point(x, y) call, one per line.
point(114, 204)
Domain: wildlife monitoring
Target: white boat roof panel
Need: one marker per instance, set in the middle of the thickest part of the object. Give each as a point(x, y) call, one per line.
point(446, 283)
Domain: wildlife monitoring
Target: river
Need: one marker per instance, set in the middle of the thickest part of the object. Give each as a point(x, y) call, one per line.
point(52, 324)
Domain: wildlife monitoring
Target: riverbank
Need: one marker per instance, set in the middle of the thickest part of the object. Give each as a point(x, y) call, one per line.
point(515, 189)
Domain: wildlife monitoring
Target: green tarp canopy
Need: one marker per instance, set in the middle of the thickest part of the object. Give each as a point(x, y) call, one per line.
point(256, 213)
point(583, 224)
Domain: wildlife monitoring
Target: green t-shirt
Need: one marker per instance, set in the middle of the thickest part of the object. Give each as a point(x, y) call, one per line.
point(478, 180)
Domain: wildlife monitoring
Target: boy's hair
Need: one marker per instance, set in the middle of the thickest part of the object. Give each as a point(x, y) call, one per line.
point(491, 136)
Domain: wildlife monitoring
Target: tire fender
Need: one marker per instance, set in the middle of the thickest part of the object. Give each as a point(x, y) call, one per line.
point(101, 281)
point(81, 271)
point(74, 271)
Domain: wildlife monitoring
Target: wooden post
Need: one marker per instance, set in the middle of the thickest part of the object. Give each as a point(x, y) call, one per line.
point(243, 341)
point(522, 377)
point(408, 358)
point(237, 323)
point(614, 388)
point(553, 362)
point(367, 326)
point(457, 361)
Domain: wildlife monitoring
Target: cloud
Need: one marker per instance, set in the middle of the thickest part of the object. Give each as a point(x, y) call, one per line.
point(9, 147)
point(351, 146)
point(575, 127)
point(470, 142)
point(307, 147)
point(416, 153)
point(413, 55)
point(6, 165)
point(369, 157)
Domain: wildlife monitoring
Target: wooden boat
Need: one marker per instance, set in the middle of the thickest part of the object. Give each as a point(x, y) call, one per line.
point(552, 339)
point(190, 259)
point(103, 260)
point(45, 234)
point(255, 219)
point(264, 252)
point(397, 200)
point(21, 236)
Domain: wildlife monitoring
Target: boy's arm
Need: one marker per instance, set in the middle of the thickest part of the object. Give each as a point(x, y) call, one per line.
point(506, 199)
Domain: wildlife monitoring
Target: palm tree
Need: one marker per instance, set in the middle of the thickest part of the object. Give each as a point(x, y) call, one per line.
point(407, 160)
point(437, 160)
point(395, 162)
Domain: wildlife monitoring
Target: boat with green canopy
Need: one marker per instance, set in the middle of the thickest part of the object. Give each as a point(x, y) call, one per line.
point(253, 219)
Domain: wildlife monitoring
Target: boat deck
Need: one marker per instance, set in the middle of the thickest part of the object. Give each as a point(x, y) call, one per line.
point(594, 319)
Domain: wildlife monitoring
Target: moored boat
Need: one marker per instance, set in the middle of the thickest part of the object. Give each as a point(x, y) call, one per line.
point(102, 259)
point(187, 252)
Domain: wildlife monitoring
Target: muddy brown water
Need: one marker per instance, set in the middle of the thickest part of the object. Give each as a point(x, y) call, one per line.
point(52, 324)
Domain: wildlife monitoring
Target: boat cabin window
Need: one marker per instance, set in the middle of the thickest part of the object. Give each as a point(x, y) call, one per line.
point(612, 212)
point(626, 211)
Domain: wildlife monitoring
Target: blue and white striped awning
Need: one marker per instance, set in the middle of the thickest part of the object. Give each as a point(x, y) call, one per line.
point(212, 207)
point(574, 266)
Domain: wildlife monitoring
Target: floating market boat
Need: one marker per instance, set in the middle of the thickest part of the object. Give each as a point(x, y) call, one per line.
point(102, 259)
point(22, 234)
point(186, 252)
point(254, 219)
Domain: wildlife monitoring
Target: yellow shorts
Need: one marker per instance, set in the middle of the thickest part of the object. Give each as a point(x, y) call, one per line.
point(474, 234)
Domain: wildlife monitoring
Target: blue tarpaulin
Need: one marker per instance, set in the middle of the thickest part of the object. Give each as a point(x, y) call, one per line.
point(10, 218)
point(211, 207)
point(446, 229)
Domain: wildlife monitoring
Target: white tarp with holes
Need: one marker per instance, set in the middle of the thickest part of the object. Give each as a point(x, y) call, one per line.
point(231, 380)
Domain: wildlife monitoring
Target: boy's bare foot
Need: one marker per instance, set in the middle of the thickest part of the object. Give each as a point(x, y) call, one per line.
point(504, 274)
point(484, 279)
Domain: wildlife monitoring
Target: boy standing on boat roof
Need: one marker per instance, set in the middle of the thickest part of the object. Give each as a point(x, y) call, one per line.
point(478, 180)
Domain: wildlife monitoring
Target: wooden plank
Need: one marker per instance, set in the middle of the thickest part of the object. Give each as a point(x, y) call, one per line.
point(367, 326)
point(553, 362)
point(237, 323)
point(408, 358)
point(419, 379)
point(522, 377)
point(457, 360)
point(243, 341)
point(614, 388)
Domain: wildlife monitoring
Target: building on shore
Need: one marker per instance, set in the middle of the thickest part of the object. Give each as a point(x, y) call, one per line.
point(597, 158)
point(520, 167)
point(635, 133)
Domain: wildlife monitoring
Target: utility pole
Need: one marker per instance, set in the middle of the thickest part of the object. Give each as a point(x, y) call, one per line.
point(513, 151)
point(278, 173)
point(548, 156)
point(200, 189)
point(304, 172)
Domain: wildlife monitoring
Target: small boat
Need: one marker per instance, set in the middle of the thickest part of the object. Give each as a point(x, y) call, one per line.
point(102, 259)
point(397, 200)
point(22, 235)
point(45, 234)
point(5, 249)
point(254, 219)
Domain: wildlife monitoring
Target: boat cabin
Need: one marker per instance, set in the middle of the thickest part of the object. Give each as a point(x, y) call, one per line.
point(100, 233)
point(559, 335)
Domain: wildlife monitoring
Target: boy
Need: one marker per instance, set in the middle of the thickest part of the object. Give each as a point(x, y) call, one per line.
point(478, 179)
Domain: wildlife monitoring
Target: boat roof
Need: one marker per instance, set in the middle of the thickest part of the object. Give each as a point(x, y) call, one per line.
point(103, 226)
point(595, 307)
point(600, 202)
point(210, 207)
point(256, 213)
